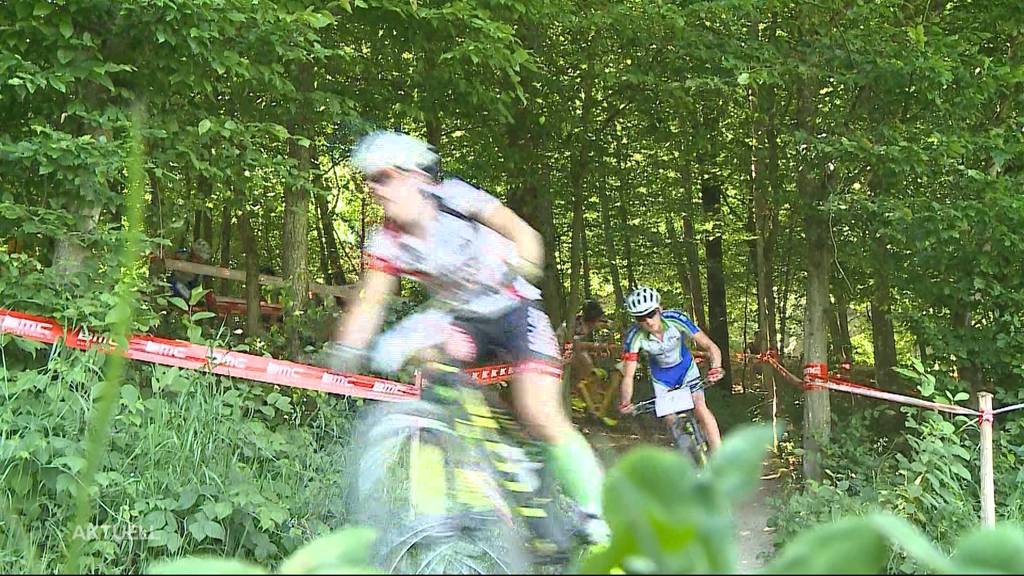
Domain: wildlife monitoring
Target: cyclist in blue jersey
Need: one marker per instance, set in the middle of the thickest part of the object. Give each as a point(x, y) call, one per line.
point(663, 335)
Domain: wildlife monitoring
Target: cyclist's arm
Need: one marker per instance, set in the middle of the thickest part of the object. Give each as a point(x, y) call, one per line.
point(363, 320)
point(626, 386)
point(529, 243)
point(715, 353)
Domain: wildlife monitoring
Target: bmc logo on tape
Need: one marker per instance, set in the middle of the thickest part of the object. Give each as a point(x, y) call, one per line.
point(161, 349)
point(24, 327)
point(386, 387)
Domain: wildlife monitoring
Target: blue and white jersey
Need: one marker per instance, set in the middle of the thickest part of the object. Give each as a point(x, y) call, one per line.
point(670, 352)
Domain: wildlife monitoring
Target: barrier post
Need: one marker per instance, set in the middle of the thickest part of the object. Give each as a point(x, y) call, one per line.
point(988, 491)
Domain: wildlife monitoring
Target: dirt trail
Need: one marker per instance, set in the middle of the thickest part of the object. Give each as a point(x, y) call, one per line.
point(754, 539)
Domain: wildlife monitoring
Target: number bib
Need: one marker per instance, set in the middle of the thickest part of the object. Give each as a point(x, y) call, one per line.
point(673, 401)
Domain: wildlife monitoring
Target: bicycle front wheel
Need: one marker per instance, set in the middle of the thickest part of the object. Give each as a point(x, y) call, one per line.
point(690, 439)
point(430, 494)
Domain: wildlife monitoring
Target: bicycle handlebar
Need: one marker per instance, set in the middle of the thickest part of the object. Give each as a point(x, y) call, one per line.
point(647, 406)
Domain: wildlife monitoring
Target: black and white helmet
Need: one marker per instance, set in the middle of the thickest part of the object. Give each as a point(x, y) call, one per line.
point(642, 300)
point(385, 148)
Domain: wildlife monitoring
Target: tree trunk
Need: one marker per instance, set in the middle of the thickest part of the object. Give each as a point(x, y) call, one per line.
point(225, 246)
point(252, 276)
point(718, 317)
point(787, 281)
point(675, 247)
point(609, 248)
point(208, 228)
point(318, 217)
point(295, 247)
point(197, 223)
point(760, 174)
point(883, 339)
point(331, 242)
point(585, 249)
point(843, 322)
point(814, 192)
point(623, 212)
point(693, 268)
point(966, 369)
point(577, 243)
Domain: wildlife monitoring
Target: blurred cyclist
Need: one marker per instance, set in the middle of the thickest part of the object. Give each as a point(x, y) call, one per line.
point(477, 258)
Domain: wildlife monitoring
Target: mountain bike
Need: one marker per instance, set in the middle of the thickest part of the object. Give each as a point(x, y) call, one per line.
point(686, 431)
point(452, 484)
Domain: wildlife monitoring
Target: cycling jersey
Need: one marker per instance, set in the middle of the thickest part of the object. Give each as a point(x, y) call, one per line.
point(669, 358)
point(463, 263)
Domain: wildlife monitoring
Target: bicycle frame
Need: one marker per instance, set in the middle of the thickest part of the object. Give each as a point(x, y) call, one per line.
point(686, 431)
point(495, 476)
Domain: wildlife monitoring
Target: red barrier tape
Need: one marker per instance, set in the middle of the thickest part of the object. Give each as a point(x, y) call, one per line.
point(184, 354)
point(817, 376)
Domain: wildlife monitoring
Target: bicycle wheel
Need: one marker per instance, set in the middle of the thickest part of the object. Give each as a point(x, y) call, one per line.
point(689, 439)
point(431, 495)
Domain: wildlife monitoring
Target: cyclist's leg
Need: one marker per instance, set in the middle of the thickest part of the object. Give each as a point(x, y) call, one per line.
point(537, 398)
point(700, 409)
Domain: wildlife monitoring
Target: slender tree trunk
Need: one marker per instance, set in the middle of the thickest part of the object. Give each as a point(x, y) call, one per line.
point(966, 368)
point(813, 191)
point(761, 174)
point(252, 276)
point(843, 323)
point(609, 248)
point(575, 253)
point(225, 245)
point(693, 268)
point(623, 213)
point(325, 267)
point(883, 339)
point(718, 317)
point(787, 281)
point(675, 246)
point(331, 241)
point(208, 228)
point(587, 291)
point(577, 244)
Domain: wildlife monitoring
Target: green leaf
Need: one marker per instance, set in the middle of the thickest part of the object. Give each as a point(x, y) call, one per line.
point(998, 550)
point(908, 538)
point(849, 546)
point(743, 79)
point(64, 56)
point(41, 8)
point(344, 551)
point(178, 302)
point(202, 316)
point(319, 20)
point(204, 125)
point(204, 565)
point(66, 28)
point(166, 538)
point(279, 131)
point(736, 467)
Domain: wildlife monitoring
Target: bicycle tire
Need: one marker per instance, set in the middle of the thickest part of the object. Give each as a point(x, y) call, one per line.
point(457, 539)
point(689, 441)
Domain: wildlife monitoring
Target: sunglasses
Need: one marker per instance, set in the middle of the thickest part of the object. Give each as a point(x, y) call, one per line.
point(647, 316)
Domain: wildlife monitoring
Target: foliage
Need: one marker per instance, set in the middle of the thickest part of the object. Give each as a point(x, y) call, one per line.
point(341, 552)
point(196, 464)
point(919, 465)
point(667, 518)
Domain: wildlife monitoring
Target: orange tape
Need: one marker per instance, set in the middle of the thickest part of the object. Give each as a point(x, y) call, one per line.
point(182, 354)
